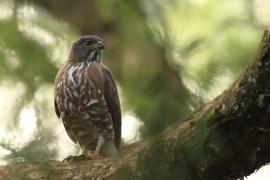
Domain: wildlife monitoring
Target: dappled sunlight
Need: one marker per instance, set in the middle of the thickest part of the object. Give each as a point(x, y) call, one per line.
point(261, 11)
point(130, 128)
point(10, 92)
point(18, 137)
point(14, 136)
point(6, 9)
point(4, 152)
point(13, 58)
point(207, 45)
point(219, 84)
point(262, 174)
point(64, 145)
point(27, 124)
point(35, 24)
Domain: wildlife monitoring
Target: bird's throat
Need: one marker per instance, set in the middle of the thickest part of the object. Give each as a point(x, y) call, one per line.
point(94, 56)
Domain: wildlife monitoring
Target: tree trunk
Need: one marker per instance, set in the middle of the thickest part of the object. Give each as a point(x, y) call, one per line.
point(227, 138)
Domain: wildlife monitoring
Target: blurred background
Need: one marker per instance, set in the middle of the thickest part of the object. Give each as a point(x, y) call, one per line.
point(167, 56)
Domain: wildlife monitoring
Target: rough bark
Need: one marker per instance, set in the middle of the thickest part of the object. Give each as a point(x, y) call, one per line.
point(225, 139)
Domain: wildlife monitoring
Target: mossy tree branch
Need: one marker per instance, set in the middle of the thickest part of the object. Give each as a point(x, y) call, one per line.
point(227, 138)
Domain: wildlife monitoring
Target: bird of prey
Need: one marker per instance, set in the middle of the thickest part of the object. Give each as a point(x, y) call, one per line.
point(86, 99)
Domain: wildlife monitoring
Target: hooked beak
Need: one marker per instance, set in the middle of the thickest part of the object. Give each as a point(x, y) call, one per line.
point(100, 45)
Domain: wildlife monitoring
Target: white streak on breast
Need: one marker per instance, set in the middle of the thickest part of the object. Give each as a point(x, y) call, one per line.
point(65, 104)
point(82, 88)
point(79, 79)
point(65, 94)
point(80, 68)
point(90, 58)
point(70, 75)
point(62, 114)
point(69, 92)
point(110, 127)
point(59, 84)
point(70, 106)
point(76, 94)
point(93, 101)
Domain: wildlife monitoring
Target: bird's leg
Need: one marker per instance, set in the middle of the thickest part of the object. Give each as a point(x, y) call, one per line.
point(87, 152)
point(100, 143)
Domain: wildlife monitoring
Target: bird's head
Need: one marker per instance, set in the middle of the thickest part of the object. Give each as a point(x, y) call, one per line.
point(88, 49)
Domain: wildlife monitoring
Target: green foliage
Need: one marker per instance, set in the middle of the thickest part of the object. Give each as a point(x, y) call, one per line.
point(216, 38)
point(30, 56)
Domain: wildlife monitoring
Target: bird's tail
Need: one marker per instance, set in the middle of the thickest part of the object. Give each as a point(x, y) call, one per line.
point(109, 149)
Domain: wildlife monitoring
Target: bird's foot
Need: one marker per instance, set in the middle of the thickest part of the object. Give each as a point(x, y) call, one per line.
point(81, 157)
point(95, 156)
point(91, 154)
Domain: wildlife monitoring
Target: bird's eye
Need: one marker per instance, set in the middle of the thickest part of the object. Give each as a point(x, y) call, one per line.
point(87, 44)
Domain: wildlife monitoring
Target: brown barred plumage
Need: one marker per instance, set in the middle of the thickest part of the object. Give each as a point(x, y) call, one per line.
point(86, 99)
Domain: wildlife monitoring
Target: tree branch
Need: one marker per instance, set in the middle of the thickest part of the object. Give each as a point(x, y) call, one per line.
point(225, 139)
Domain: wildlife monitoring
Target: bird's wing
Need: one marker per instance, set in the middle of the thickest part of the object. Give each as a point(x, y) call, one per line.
point(68, 130)
point(112, 100)
point(56, 109)
point(58, 93)
point(57, 80)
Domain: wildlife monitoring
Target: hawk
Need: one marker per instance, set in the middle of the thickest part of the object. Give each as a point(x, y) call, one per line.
point(86, 99)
